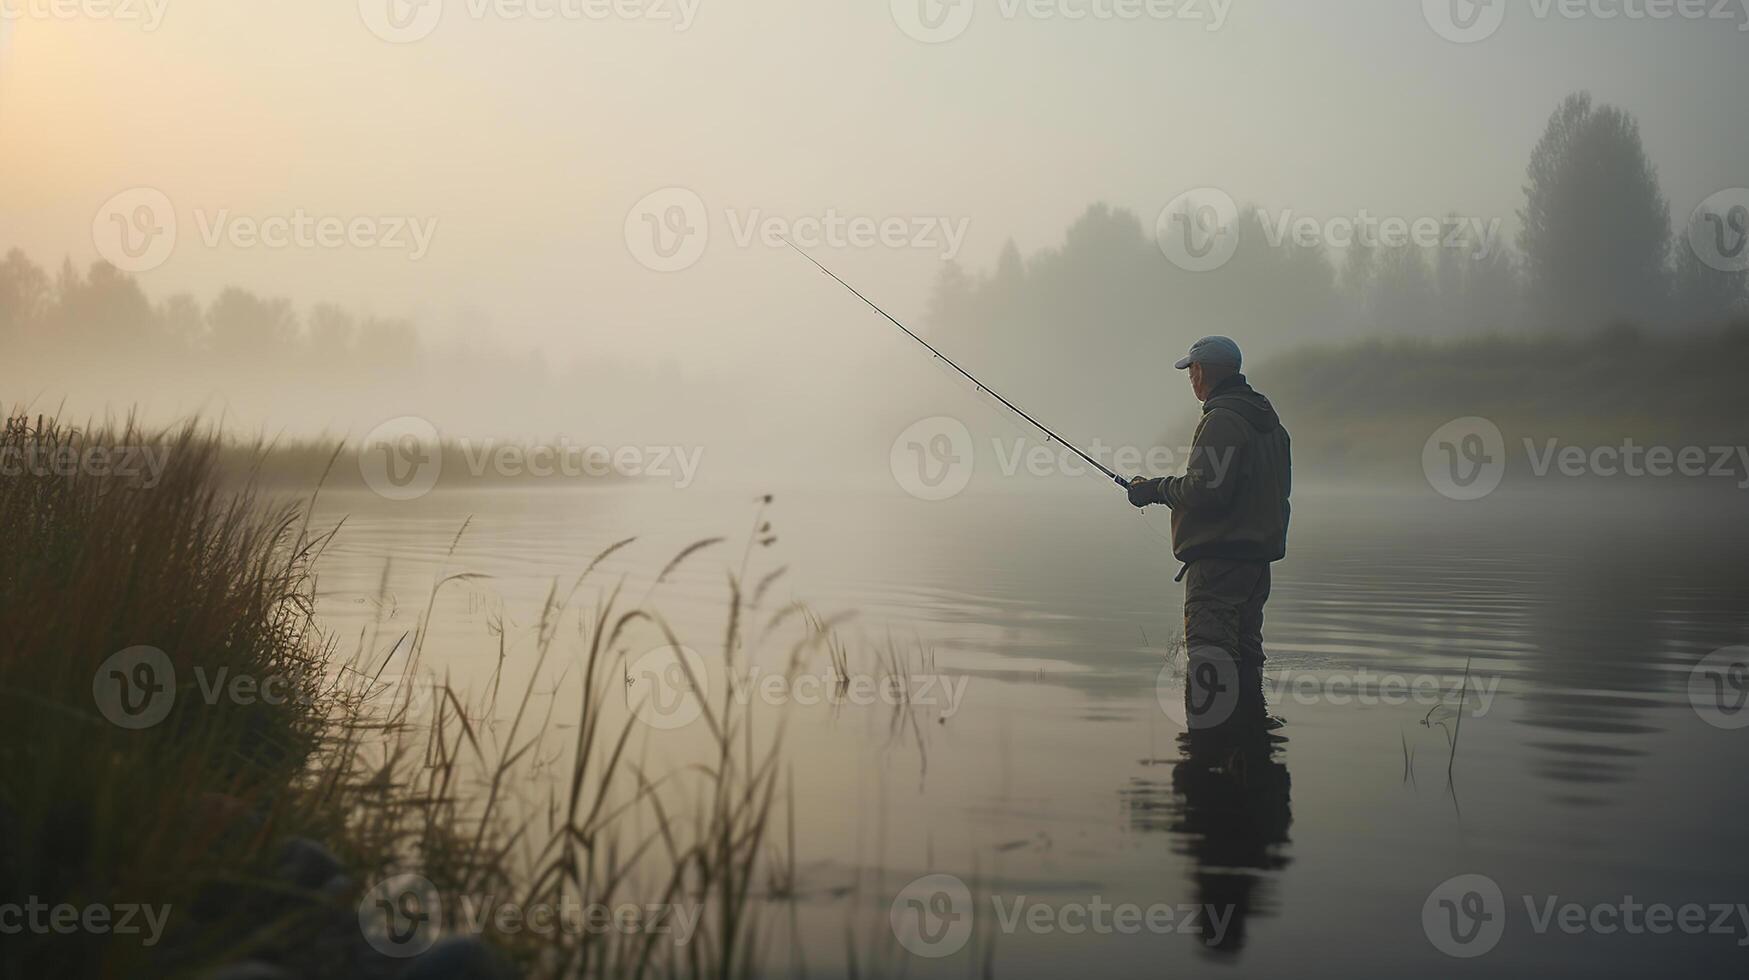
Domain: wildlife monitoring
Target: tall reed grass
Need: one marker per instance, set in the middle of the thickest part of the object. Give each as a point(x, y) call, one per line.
point(481, 793)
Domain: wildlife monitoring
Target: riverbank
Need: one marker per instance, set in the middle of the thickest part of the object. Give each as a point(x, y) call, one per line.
point(211, 783)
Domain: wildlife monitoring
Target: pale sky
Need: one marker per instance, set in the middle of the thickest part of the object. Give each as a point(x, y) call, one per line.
point(528, 141)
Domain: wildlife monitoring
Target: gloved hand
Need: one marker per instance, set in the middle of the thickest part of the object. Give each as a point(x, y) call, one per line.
point(1144, 492)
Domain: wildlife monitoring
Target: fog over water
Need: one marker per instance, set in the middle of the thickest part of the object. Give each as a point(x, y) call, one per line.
point(499, 169)
point(509, 303)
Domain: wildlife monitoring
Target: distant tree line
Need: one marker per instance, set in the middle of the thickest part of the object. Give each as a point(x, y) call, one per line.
point(93, 340)
point(1596, 250)
point(105, 312)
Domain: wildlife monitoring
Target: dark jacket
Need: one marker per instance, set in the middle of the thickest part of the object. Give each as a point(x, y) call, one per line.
point(1232, 501)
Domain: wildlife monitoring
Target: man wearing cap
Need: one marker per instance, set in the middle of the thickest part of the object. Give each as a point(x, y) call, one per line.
point(1229, 522)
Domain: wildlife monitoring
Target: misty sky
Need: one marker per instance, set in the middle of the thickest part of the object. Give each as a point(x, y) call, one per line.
point(528, 141)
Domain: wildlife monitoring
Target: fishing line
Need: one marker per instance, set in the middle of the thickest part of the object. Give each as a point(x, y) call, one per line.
point(983, 389)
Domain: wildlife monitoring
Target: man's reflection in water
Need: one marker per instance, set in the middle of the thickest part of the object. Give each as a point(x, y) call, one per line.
point(1228, 805)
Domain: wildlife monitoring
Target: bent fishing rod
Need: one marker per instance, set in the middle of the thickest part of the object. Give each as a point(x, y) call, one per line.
point(1050, 435)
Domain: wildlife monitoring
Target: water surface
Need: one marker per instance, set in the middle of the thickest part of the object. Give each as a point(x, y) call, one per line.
point(1582, 770)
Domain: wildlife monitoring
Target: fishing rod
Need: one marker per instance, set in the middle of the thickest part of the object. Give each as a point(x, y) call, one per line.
point(1050, 435)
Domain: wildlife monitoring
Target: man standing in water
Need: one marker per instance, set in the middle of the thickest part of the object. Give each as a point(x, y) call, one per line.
point(1229, 522)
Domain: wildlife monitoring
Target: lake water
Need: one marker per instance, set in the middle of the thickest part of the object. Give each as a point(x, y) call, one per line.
point(1045, 777)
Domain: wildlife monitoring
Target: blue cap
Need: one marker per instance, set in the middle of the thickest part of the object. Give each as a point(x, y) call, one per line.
point(1213, 350)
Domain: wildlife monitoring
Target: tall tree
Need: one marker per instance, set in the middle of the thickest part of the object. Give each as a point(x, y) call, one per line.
point(1596, 228)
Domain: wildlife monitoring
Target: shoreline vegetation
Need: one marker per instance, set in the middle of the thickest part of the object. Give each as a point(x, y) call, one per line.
point(256, 828)
point(1368, 407)
point(300, 464)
